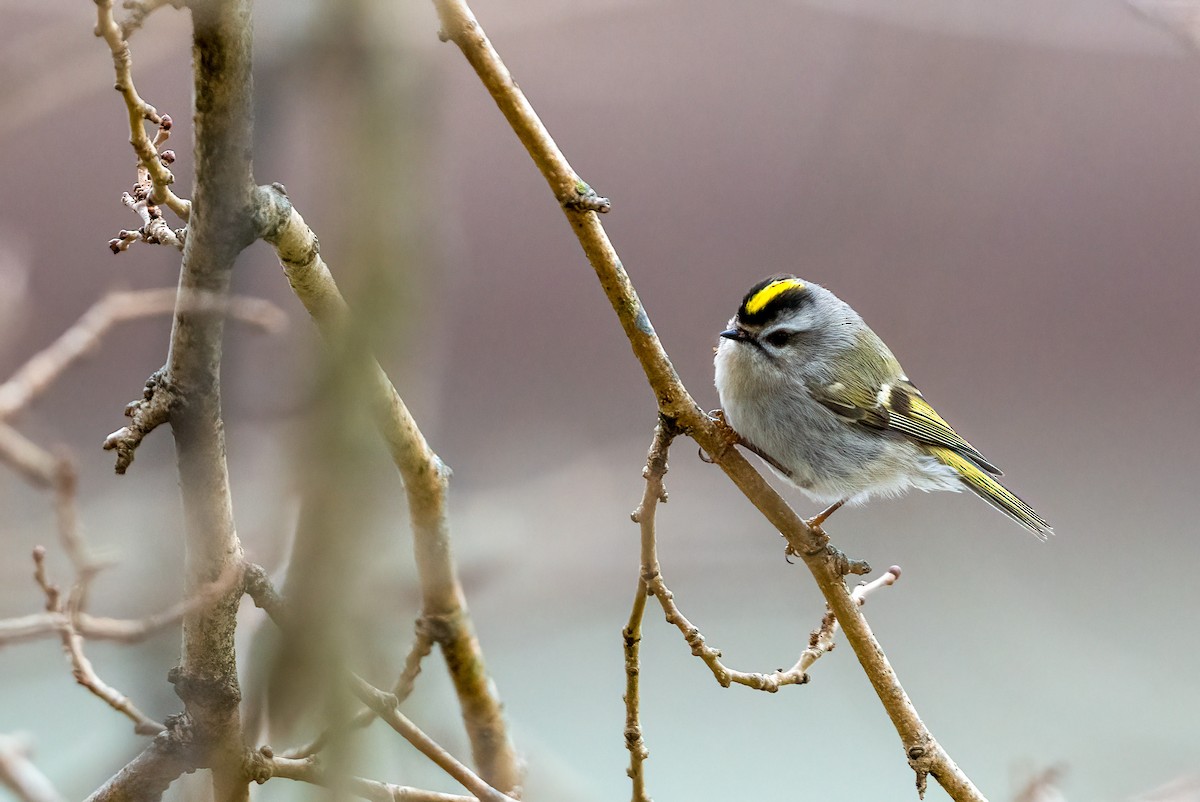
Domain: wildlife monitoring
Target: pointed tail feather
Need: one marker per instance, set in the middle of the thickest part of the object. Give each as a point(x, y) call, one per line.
point(993, 492)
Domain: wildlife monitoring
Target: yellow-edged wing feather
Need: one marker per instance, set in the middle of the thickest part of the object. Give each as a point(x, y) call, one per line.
point(992, 491)
point(876, 394)
point(897, 406)
point(909, 412)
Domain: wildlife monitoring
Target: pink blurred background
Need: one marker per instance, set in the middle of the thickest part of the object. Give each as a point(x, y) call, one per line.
point(1008, 194)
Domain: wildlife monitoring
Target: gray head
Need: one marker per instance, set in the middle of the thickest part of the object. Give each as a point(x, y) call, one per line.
point(786, 321)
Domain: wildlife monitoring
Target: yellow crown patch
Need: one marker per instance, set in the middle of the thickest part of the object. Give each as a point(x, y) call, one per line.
point(770, 292)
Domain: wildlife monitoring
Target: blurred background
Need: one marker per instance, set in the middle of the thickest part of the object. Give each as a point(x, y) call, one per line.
point(1006, 191)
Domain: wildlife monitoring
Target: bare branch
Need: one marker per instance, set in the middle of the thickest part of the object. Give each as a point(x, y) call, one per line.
point(307, 770)
point(121, 630)
point(147, 776)
point(384, 705)
point(827, 565)
point(652, 581)
point(1043, 786)
point(644, 515)
point(81, 667)
point(426, 480)
point(154, 229)
point(19, 775)
point(139, 111)
point(421, 647)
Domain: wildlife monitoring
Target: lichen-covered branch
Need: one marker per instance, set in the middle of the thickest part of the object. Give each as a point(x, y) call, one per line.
point(827, 565)
point(426, 480)
point(219, 228)
point(147, 776)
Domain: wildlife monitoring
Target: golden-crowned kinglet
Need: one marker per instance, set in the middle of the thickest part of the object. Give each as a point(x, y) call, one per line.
point(810, 388)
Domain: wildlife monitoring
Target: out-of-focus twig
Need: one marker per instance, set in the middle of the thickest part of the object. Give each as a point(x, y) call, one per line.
point(380, 704)
point(19, 775)
point(119, 630)
point(39, 372)
point(1180, 17)
point(1185, 788)
point(139, 10)
point(1043, 786)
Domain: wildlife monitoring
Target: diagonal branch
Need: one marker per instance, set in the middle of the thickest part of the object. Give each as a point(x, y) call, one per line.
point(147, 776)
point(385, 706)
point(827, 565)
point(420, 649)
point(426, 481)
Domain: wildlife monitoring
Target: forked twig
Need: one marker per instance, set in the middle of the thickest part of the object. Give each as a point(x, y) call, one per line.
point(420, 649)
point(72, 641)
point(160, 178)
point(651, 582)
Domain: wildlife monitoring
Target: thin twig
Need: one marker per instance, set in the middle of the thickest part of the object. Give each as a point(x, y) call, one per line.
point(827, 565)
point(644, 516)
point(384, 705)
point(139, 110)
point(34, 463)
point(309, 771)
point(120, 630)
point(652, 581)
point(421, 647)
point(81, 667)
point(821, 640)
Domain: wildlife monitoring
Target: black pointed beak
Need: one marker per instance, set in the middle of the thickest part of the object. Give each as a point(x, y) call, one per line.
point(739, 335)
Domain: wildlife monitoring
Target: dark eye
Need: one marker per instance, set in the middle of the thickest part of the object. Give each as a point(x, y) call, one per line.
point(779, 338)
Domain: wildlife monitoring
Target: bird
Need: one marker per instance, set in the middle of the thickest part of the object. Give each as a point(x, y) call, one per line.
point(809, 387)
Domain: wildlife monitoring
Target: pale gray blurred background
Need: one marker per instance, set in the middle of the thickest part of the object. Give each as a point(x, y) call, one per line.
point(1007, 191)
